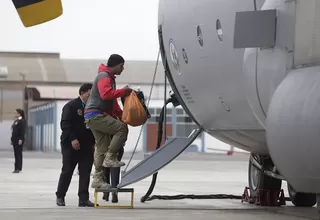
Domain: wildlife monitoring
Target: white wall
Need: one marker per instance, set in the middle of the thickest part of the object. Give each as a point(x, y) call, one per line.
point(5, 134)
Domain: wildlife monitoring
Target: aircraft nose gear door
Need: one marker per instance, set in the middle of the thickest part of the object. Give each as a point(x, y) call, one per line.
point(158, 159)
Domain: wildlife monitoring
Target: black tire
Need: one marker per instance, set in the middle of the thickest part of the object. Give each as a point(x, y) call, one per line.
point(301, 199)
point(259, 181)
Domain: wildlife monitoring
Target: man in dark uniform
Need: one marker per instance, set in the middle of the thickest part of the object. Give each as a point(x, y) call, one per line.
point(77, 147)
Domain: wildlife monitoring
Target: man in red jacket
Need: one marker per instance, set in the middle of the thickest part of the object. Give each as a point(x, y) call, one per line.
point(103, 116)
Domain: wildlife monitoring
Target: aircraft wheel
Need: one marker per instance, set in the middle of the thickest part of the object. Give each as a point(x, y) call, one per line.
point(301, 199)
point(259, 181)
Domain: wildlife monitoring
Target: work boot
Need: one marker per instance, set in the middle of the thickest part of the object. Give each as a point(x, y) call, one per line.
point(114, 197)
point(111, 161)
point(60, 202)
point(98, 183)
point(105, 196)
point(87, 203)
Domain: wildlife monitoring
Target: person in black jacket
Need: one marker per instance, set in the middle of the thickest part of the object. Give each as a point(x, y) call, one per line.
point(17, 138)
point(77, 147)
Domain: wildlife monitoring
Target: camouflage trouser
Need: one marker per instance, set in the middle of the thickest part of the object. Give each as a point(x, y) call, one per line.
point(110, 136)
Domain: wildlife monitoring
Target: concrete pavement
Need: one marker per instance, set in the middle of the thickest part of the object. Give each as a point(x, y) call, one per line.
point(30, 195)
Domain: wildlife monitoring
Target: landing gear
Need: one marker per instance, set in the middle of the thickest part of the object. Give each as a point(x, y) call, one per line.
point(264, 190)
point(259, 181)
point(301, 199)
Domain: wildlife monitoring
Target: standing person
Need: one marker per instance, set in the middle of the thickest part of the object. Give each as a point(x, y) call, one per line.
point(103, 116)
point(18, 129)
point(77, 146)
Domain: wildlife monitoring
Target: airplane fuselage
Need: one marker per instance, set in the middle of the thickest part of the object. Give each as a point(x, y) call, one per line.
point(248, 97)
point(211, 82)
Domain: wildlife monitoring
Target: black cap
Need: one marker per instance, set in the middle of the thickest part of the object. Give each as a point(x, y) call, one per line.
point(115, 59)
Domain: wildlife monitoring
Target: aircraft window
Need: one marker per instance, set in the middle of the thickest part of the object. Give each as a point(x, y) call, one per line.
point(199, 35)
point(219, 30)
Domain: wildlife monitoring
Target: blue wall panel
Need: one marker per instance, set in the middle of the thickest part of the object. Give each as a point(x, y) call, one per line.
point(42, 119)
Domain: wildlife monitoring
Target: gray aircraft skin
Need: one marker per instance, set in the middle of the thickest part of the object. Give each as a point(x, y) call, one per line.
point(265, 100)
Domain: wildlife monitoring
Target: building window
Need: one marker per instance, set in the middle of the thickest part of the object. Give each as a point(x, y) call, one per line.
point(151, 111)
point(168, 119)
point(184, 130)
point(180, 111)
point(169, 111)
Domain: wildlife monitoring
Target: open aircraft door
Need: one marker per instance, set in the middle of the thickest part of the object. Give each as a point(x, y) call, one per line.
point(158, 159)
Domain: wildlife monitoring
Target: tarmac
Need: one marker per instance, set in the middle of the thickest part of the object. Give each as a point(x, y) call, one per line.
point(30, 195)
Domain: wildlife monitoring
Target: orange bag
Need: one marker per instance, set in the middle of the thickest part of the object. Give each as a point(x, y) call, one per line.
point(133, 111)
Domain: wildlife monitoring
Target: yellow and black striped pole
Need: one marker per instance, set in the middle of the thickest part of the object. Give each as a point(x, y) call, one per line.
point(34, 12)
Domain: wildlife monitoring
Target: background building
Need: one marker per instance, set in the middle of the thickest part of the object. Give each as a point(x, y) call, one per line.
point(41, 83)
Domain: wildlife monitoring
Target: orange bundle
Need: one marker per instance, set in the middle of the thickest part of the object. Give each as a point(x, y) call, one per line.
point(133, 112)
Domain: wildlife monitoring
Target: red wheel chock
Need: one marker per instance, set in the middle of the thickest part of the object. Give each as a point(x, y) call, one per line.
point(265, 197)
